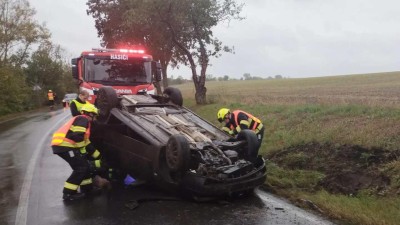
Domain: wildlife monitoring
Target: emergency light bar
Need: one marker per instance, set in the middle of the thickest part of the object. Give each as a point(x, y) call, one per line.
point(140, 51)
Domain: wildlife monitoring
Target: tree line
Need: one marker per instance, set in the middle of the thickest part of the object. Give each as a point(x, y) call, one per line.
point(210, 77)
point(30, 64)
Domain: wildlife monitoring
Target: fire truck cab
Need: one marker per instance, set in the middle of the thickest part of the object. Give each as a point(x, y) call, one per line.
point(128, 71)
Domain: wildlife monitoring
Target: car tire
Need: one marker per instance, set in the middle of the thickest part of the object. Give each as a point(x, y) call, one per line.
point(177, 153)
point(106, 99)
point(250, 149)
point(174, 95)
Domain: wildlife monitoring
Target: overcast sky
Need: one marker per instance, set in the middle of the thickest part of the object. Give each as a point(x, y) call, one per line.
point(293, 38)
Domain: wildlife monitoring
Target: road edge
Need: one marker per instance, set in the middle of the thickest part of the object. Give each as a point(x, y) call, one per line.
point(22, 210)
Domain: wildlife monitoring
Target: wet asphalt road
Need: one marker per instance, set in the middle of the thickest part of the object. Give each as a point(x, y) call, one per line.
point(31, 182)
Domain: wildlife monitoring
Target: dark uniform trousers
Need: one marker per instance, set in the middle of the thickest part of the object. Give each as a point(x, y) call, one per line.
point(80, 167)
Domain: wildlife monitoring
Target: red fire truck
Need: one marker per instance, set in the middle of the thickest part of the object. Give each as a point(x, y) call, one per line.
point(128, 71)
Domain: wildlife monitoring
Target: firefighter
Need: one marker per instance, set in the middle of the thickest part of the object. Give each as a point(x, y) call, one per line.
point(238, 120)
point(51, 97)
point(71, 142)
point(80, 101)
point(98, 166)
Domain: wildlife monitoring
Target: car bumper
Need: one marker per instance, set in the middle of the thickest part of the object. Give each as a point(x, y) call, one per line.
point(202, 186)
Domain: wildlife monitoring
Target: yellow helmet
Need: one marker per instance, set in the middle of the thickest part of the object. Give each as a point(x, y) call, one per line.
point(221, 114)
point(89, 108)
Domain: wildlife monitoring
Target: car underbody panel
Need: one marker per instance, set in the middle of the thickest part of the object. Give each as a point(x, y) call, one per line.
point(153, 139)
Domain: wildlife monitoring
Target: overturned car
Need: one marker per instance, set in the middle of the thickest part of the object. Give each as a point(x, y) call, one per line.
point(155, 138)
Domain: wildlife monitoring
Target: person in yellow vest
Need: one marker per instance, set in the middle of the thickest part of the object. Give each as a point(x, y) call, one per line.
point(81, 100)
point(51, 97)
point(238, 120)
point(71, 142)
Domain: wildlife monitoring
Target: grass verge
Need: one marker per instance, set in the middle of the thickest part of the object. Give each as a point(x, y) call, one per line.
point(331, 141)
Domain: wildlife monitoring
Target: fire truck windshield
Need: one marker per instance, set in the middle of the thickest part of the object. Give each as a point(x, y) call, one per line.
point(117, 72)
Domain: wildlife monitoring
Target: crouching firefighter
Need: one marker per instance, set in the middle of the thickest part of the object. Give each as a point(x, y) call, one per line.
point(67, 142)
point(238, 120)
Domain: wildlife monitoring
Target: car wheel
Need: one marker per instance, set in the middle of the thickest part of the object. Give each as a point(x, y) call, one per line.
point(174, 94)
point(250, 149)
point(177, 153)
point(106, 99)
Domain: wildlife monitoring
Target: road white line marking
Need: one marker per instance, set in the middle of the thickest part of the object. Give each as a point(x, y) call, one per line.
point(22, 211)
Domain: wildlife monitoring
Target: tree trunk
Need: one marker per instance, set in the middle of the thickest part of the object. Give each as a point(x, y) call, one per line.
point(164, 75)
point(158, 88)
point(161, 85)
point(199, 82)
point(201, 89)
point(200, 95)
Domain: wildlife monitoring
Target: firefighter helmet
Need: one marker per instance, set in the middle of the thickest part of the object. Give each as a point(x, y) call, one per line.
point(222, 114)
point(50, 91)
point(89, 108)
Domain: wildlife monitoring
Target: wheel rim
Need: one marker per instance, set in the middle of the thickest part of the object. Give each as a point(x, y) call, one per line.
point(172, 155)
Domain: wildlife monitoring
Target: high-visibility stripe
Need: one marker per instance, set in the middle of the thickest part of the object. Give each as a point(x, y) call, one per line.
point(97, 163)
point(87, 181)
point(59, 135)
point(76, 145)
point(80, 144)
point(259, 127)
point(254, 126)
point(78, 129)
point(229, 131)
point(238, 129)
point(56, 141)
point(66, 144)
point(226, 129)
point(70, 186)
point(96, 154)
point(244, 122)
point(83, 150)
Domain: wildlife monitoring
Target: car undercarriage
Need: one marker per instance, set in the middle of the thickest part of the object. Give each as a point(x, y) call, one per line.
point(156, 139)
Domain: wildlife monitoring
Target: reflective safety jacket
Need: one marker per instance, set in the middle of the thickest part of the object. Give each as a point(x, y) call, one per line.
point(76, 106)
point(240, 120)
point(50, 96)
point(74, 134)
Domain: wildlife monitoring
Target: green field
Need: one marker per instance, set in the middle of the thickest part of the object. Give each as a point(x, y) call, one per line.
point(331, 142)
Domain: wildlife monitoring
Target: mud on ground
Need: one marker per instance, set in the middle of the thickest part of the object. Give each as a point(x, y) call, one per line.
point(347, 169)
